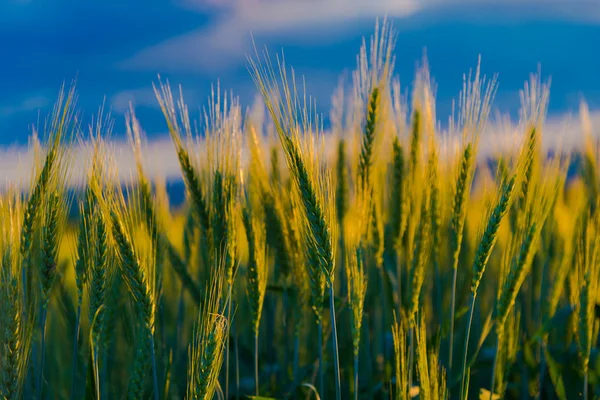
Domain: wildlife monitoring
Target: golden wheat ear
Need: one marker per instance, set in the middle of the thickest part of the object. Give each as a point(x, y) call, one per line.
point(205, 354)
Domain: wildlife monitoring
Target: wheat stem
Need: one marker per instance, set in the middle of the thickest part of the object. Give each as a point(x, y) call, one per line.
point(296, 361)
point(229, 301)
point(585, 384)
point(237, 367)
point(336, 357)
point(154, 371)
point(75, 350)
point(495, 365)
point(256, 364)
point(43, 352)
point(411, 351)
point(321, 366)
point(452, 311)
point(466, 344)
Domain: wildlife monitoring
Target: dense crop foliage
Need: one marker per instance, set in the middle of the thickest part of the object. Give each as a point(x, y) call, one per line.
point(386, 258)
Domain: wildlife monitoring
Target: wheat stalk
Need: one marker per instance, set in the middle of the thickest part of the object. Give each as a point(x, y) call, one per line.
point(257, 273)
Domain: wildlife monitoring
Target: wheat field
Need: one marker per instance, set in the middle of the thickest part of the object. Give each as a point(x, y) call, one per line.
point(388, 257)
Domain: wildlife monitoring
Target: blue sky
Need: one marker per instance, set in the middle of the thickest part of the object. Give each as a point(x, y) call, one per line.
point(116, 49)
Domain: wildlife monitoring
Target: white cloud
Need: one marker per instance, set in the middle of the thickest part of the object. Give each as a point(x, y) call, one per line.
point(16, 163)
point(560, 133)
point(137, 97)
point(226, 41)
point(145, 97)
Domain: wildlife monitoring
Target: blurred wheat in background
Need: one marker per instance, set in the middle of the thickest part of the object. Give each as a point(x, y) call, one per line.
point(387, 257)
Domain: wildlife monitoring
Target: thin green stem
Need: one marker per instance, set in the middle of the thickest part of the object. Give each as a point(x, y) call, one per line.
point(256, 364)
point(355, 376)
point(383, 305)
point(237, 368)
point(369, 356)
point(321, 369)
point(411, 352)
point(180, 324)
point(296, 359)
point(466, 344)
point(452, 310)
point(438, 290)
point(585, 384)
point(105, 373)
point(538, 313)
point(227, 345)
point(286, 353)
point(43, 350)
point(336, 356)
point(76, 350)
point(96, 372)
point(154, 374)
point(498, 348)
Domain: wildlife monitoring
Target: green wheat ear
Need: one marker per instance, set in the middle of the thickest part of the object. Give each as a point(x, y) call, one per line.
point(366, 151)
point(50, 243)
point(357, 290)
point(99, 274)
point(59, 133)
point(545, 194)
point(15, 335)
point(178, 124)
point(342, 190)
point(53, 172)
point(257, 273)
point(415, 142)
point(16, 341)
point(490, 233)
point(224, 222)
point(16, 330)
point(421, 254)
point(460, 200)
point(312, 187)
point(482, 256)
point(397, 216)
